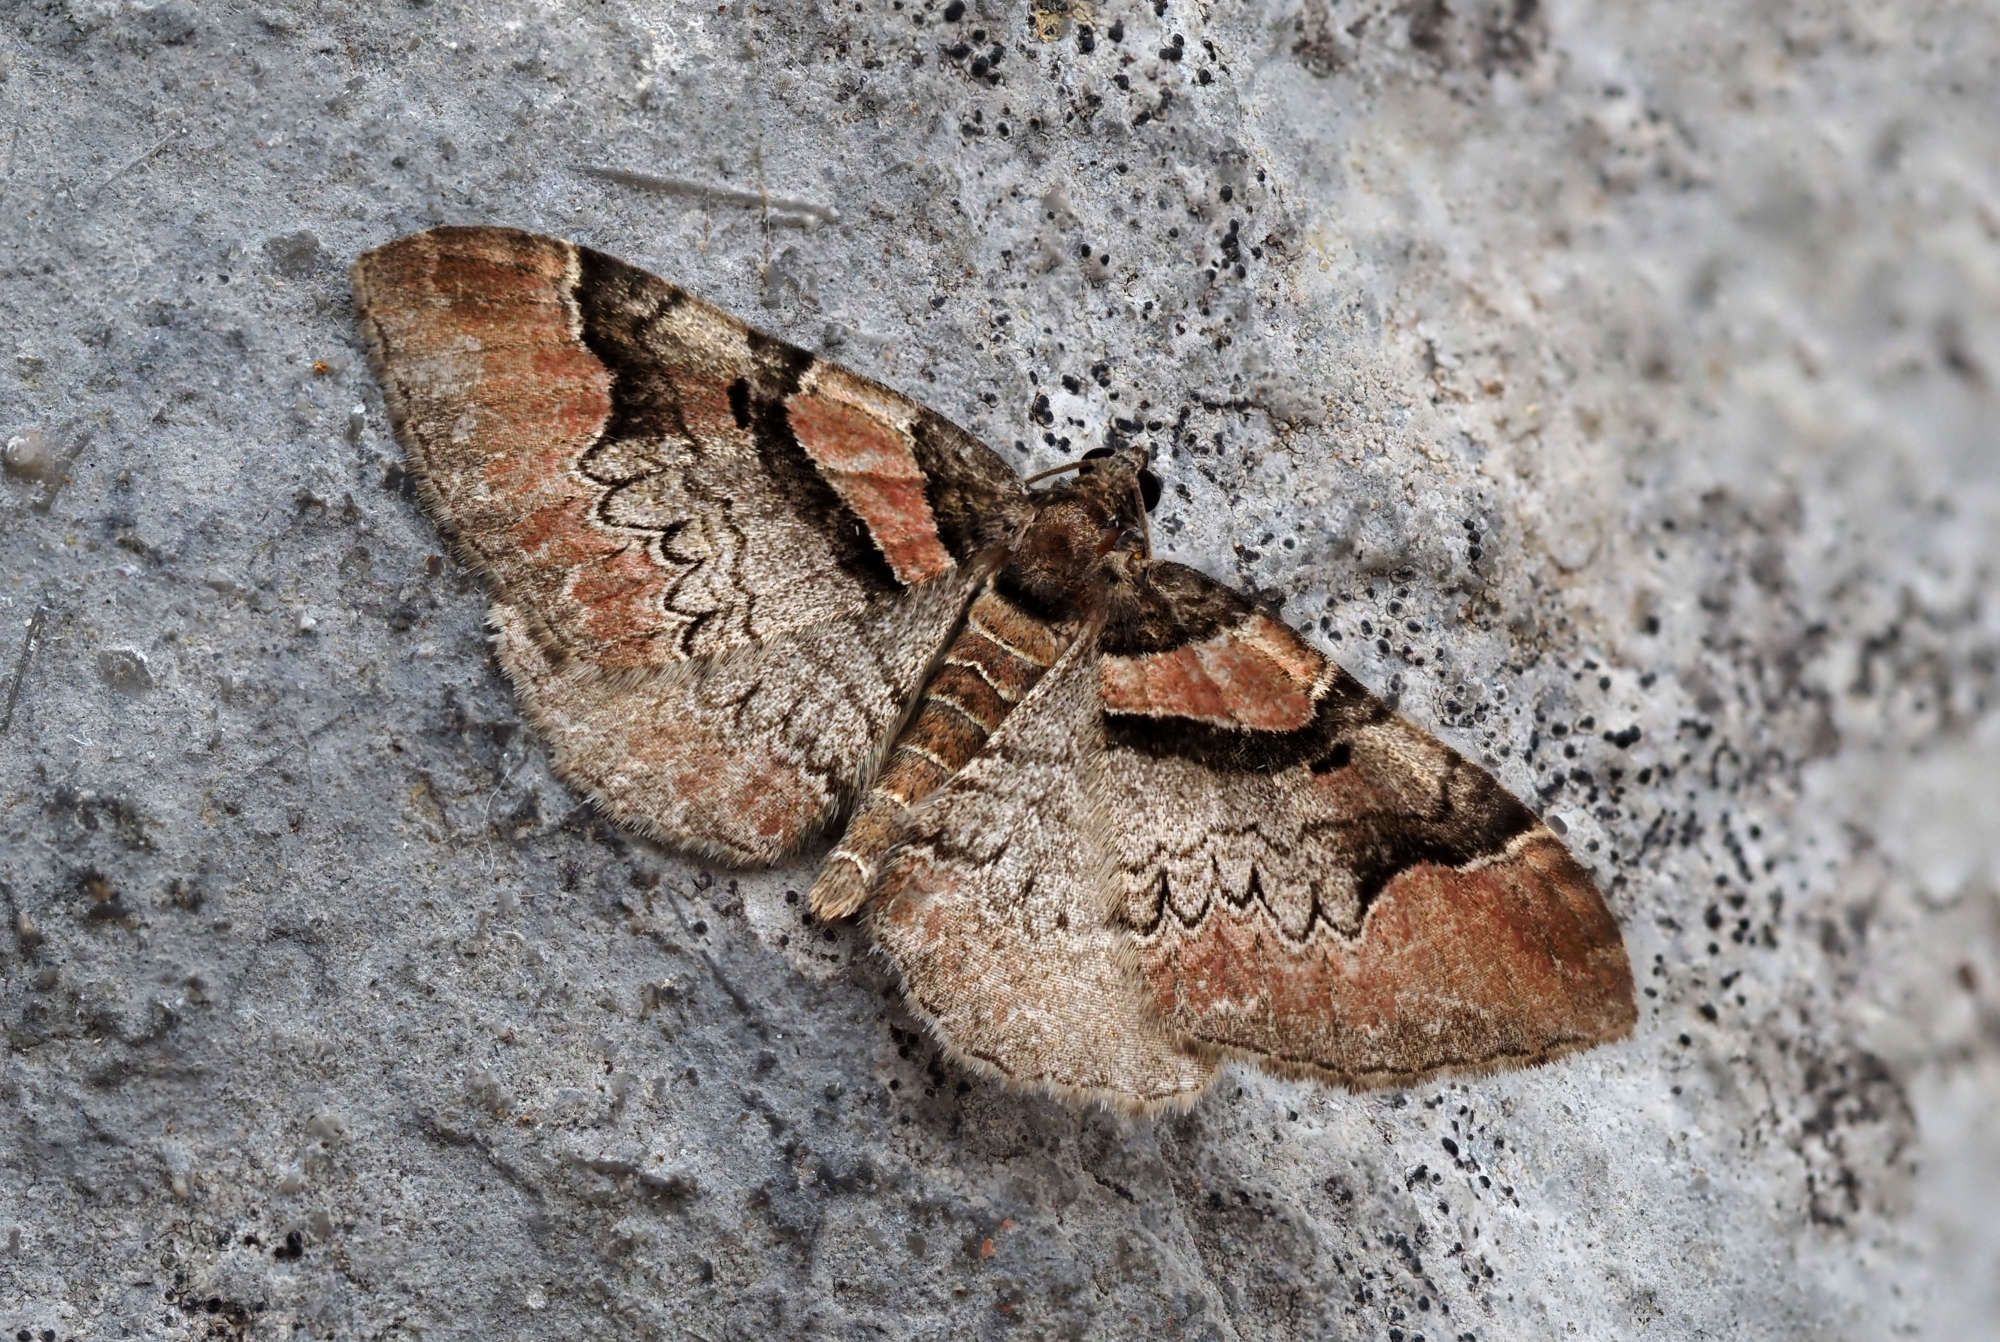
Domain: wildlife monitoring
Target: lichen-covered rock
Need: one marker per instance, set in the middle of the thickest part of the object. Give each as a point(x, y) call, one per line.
point(1613, 384)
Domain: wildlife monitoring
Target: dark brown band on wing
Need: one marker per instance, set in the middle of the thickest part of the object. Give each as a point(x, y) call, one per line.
point(619, 304)
point(616, 304)
point(1342, 708)
point(1169, 606)
point(1475, 818)
point(962, 486)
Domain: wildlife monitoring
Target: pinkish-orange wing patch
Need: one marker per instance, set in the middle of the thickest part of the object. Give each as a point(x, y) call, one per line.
point(1258, 675)
point(497, 400)
point(864, 449)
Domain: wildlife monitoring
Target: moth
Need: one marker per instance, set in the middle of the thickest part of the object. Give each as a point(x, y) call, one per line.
point(1113, 821)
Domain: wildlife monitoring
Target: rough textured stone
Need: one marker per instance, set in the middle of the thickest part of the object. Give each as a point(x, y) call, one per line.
point(1613, 382)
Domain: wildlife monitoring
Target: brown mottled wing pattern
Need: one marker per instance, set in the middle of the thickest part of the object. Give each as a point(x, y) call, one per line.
point(1308, 880)
point(721, 566)
point(996, 905)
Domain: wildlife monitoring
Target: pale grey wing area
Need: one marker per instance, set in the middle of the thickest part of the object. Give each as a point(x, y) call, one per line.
point(995, 905)
point(746, 755)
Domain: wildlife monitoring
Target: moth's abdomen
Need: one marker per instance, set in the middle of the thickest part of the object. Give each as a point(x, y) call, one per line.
point(998, 655)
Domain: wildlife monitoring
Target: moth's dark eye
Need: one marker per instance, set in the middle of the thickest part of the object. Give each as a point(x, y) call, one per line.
point(1097, 452)
point(1149, 488)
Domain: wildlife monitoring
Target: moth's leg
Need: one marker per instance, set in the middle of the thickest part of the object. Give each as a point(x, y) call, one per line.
point(998, 655)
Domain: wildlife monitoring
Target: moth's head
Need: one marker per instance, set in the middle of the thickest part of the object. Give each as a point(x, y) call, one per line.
point(1124, 461)
point(1112, 491)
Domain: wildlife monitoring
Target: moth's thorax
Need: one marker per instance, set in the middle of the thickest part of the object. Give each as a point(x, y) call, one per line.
point(1054, 566)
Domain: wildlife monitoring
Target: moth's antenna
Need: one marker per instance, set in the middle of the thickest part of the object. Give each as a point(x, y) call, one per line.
point(1054, 470)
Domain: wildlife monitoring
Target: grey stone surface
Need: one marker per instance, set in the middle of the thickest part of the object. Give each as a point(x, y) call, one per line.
point(1613, 381)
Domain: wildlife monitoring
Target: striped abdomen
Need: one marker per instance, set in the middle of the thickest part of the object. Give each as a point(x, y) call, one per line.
point(999, 654)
